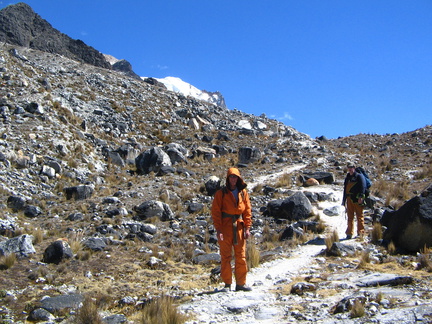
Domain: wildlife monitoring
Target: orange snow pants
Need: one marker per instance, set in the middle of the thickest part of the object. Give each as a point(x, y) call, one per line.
point(226, 249)
point(356, 209)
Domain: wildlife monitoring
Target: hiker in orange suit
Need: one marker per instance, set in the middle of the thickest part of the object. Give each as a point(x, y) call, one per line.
point(232, 218)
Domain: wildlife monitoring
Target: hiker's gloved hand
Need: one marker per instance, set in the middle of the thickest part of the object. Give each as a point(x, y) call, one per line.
point(219, 236)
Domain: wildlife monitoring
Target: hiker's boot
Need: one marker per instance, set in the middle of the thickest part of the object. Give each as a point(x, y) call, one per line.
point(243, 288)
point(226, 288)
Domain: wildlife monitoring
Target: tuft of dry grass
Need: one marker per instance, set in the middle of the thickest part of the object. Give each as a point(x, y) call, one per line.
point(253, 255)
point(391, 190)
point(424, 261)
point(161, 311)
point(424, 172)
point(391, 248)
point(258, 188)
point(75, 242)
point(269, 236)
point(330, 239)
point(7, 261)
point(284, 180)
point(364, 260)
point(88, 313)
point(321, 227)
point(357, 309)
point(38, 235)
point(377, 233)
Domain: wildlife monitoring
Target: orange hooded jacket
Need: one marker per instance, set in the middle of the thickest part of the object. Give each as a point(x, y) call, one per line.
point(224, 201)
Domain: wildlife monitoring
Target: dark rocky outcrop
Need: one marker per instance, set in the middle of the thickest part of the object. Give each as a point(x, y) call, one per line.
point(340, 249)
point(125, 67)
point(154, 208)
point(249, 155)
point(16, 203)
point(20, 25)
point(57, 251)
point(152, 160)
point(295, 207)
point(79, 192)
point(410, 226)
point(95, 243)
point(40, 314)
point(154, 82)
point(212, 184)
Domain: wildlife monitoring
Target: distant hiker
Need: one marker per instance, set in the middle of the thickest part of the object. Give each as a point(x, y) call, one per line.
point(353, 199)
point(232, 218)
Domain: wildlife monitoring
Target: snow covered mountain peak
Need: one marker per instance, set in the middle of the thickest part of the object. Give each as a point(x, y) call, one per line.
point(178, 85)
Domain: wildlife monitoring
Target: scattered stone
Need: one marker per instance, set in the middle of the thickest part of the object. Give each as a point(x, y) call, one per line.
point(57, 251)
point(79, 192)
point(383, 279)
point(294, 207)
point(21, 245)
point(57, 304)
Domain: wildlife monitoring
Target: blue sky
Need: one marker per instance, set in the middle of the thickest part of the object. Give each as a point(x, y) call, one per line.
point(333, 68)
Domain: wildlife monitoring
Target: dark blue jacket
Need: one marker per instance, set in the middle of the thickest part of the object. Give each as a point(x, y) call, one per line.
point(358, 187)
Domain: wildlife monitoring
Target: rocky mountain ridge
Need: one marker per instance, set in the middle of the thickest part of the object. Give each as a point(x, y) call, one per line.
point(117, 173)
point(21, 26)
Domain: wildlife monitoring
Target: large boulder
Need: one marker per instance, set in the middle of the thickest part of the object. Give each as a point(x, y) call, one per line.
point(295, 207)
point(61, 303)
point(177, 153)
point(152, 160)
point(57, 251)
point(207, 153)
point(212, 185)
point(79, 192)
point(95, 243)
point(154, 208)
point(21, 245)
point(16, 203)
point(410, 227)
point(249, 155)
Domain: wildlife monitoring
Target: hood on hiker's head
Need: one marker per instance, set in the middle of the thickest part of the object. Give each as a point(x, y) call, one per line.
point(240, 183)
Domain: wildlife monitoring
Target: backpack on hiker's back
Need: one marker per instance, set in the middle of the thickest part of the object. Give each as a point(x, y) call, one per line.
point(362, 171)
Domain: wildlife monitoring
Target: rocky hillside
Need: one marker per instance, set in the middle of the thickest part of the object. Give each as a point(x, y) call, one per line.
point(117, 174)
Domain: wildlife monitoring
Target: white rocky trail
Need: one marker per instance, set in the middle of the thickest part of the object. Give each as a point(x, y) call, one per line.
point(262, 305)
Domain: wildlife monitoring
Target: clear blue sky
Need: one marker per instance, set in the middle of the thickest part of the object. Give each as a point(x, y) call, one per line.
point(333, 68)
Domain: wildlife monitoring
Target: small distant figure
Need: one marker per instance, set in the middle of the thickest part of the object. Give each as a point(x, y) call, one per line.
point(232, 218)
point(353, 200)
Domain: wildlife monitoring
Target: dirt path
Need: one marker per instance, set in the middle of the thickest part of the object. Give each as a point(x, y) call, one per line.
point(262, 304)
point(272, 177)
